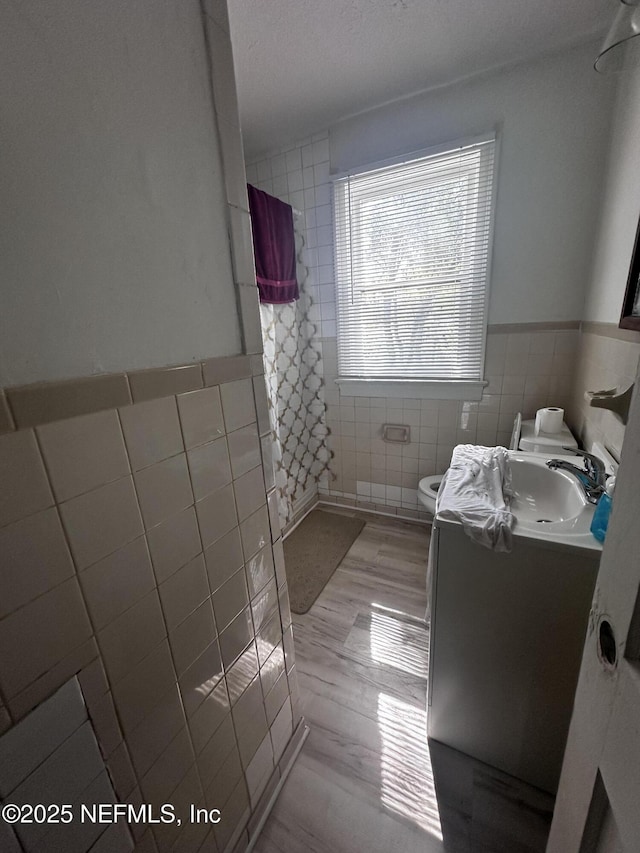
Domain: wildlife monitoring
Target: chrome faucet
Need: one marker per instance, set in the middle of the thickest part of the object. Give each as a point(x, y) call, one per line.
point(592, 477)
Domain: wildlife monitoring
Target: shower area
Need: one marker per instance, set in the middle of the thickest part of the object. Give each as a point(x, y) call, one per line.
point(293, 368)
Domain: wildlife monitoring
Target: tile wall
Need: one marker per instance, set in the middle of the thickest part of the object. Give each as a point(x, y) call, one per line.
point(299, 175)
point(528, 366)
point(52, 757)
point(607, 358)
point(525, 371)
point(139, 549)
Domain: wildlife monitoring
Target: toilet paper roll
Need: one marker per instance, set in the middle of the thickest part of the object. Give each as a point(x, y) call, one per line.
point(549, 420)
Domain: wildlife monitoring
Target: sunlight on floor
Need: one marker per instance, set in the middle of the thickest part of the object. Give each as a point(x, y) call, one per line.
point(390, 645)
point(407, 785)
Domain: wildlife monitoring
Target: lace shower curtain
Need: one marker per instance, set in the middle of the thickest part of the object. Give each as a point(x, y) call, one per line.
point(294, 377)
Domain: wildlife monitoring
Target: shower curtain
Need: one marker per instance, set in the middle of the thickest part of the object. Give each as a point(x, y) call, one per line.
point(295, 389)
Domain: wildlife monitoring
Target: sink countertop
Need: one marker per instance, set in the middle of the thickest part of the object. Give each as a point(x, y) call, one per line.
point(549, 505)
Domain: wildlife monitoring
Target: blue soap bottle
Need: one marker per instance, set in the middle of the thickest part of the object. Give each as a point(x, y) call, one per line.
point(600, 520)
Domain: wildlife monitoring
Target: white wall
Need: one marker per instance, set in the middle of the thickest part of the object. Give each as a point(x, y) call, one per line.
point(113, 240)
point(554, 116)
point(619, 208)
point(604, 360)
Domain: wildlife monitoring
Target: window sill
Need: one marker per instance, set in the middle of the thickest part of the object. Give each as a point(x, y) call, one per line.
point(415, 389)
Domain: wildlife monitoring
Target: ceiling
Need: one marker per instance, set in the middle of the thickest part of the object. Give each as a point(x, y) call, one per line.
point(302, 65)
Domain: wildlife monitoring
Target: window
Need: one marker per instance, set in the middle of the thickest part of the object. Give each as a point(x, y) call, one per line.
point(412, 265)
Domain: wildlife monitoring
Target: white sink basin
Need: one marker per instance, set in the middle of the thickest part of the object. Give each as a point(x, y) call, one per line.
point(549, 504)
point(542, 495)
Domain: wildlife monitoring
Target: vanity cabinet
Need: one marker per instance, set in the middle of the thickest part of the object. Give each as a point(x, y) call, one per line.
point(507, 632)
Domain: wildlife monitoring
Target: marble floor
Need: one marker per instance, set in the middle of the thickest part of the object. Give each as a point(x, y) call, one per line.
point(366, 778)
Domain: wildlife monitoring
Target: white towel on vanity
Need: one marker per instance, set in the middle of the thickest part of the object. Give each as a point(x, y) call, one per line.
point(476, 491)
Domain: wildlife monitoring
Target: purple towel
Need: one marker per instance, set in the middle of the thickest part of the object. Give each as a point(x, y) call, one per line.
point(274, 247)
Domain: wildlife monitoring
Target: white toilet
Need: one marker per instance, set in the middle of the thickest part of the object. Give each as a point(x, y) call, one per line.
point(428, 491)
point(523, 438)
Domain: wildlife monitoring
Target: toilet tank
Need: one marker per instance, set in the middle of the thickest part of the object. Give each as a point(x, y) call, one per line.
point(544, 442)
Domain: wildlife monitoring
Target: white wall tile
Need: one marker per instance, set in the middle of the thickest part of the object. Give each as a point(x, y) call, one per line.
point(293, 160)
point(192, 636)
point(151, 431)
point(117, 582)
point(278, 165)
point(62, 777)
point(141, 690)
point(168, 771)
point(249, 490)
point(236, 637)
point(174, 542)
point(209, 716)
point(25, 488)
point(34, 557)
point(78, 835)
point(255, 532)
point(148, 740)
point(209, 466)
point(237, 403)
point(116, 839)
point(35, 738)
point(244, 450)
point(8, 839)
point(184, 591)
point(164, 489)
point(230, 599)
point(281, 730)
point(216, 515)
point(132, 636)
point(200, 678)
point(101, 521)
point(260, 570)
point(223, 558)
point(83, 453)
point(260, 769)
point(35, 638)
point(201, 416)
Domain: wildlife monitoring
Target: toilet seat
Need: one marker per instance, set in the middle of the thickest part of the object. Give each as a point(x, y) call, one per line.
point(428, 491)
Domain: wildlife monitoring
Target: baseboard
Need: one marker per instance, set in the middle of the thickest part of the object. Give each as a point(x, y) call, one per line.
point(426, 521)
point(289, 530)
point(285, 766)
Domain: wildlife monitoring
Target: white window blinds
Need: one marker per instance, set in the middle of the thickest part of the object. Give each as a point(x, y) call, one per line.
point(412, 263)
